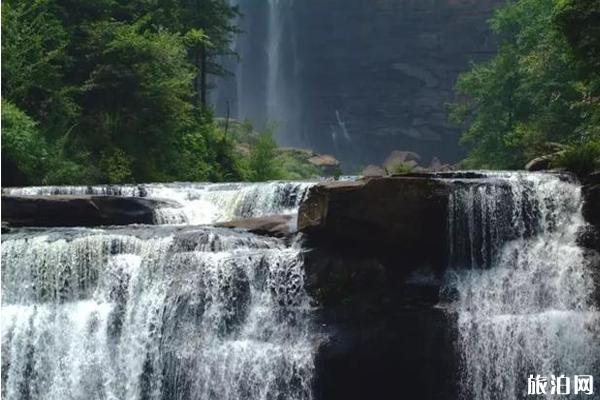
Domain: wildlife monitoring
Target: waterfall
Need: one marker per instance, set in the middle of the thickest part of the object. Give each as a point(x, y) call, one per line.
point(153, 313)
point(521, 286)
point(264, 88)
point(273, 55)
point(202, 203)
point(159, 312)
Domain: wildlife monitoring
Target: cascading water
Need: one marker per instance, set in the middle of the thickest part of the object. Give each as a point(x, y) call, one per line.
point(158, 312)
point(153, 313)
point(201, 203)
point(522, 287)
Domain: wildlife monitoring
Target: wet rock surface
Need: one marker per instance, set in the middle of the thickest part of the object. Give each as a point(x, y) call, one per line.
point(375, 253)
point(591, 206)
point(398, 215)
point(271, 225)
point(385, 333)
point(87, 211)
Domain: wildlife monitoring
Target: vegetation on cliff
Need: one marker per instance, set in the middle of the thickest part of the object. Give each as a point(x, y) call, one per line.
point(113, 91)
point(541, 93)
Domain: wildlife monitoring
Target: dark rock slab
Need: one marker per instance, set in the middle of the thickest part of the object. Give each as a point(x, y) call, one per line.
point(589, 237)
point(592, 179)
point(408, 354)
point(271, 225)
point(375, 254)
point(50, 211)
point(591, 205)
point(396, 215)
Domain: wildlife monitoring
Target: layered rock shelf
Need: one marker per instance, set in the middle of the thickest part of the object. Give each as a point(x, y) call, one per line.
point(87, 211)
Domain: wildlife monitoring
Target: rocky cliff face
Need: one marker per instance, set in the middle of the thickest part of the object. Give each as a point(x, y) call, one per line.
point(387, 68)
point(375, 251)
point(358, 78)
point(48, 211)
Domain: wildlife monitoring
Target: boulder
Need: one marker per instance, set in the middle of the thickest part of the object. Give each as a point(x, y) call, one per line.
point(324, 160)
point(539, 164)
point(47, 211)
point(327, 163)
point(271, 225)
point(397, 157)
point(401, 215)
point(437, 166)
point(371, 171)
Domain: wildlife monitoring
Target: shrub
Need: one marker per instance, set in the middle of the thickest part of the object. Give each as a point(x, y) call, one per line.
point(399, 169)
point(22, 143)
point(116, 166)
point(580, 159)
point(262, 164)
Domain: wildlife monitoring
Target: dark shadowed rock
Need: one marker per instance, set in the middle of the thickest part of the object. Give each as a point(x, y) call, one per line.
point(591, 205)
point(592, 179)
point(539, 164)
point(46, 211)
point(271, 225)
point(400, 214)
point(375, 254)
point(589, 238)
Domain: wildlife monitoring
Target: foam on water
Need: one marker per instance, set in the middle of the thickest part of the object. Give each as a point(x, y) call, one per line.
point(523, 288)
point(202, 203)
point(153, 314)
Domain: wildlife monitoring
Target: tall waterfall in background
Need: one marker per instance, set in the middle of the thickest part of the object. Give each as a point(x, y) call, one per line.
point(264, 88)
point(522, 285)
point(158, 312)
point(274, 38)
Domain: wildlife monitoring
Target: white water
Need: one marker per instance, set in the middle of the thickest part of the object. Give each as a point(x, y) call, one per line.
point(265, 88)
point(153, 313)
point(202, 203)
point(274, 33)
point(281, 86)
point(523, 287)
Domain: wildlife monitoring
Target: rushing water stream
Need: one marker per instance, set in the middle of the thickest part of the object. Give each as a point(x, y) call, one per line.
point(180, 311)
point(158, 312)
point(523, 286)
point(202, 203)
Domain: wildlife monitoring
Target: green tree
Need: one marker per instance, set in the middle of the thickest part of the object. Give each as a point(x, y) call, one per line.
point(515, 106)
point(209, 26)
point(262, 163)
point(23, 147)
point(113, 87)
point(34, 59)
point(137, 95)
point(579, 22)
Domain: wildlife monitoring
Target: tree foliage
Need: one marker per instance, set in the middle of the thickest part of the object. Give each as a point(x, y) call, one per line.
point(262, 162)
point(109, 90)
point(22, 143)
point(541, 88)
